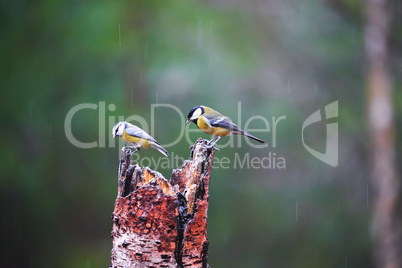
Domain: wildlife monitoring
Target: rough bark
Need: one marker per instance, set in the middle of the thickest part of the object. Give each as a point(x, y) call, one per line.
point(386, 226)
point(160, 223)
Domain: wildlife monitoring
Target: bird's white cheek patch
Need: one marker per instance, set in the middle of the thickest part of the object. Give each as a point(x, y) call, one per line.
point(121, 130)
point(196, 114)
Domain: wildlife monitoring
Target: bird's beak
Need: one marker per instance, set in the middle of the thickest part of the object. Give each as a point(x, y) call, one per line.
point(114, 135)
point(188, 121)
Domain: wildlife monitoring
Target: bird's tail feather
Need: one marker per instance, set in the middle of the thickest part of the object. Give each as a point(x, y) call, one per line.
point(160, 149)
point(249, 135)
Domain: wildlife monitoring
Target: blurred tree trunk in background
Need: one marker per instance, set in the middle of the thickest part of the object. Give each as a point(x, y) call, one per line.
point(385, 222)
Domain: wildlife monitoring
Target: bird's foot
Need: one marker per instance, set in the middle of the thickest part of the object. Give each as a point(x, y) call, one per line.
point(210, 145)
point(129, 151)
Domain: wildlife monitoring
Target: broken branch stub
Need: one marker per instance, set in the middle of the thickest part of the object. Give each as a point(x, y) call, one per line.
point(160, 223)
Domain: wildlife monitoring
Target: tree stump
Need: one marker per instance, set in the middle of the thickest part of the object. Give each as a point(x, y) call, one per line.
point(160, 223)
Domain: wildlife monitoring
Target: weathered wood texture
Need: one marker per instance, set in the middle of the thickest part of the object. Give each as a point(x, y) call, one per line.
point(160, 223)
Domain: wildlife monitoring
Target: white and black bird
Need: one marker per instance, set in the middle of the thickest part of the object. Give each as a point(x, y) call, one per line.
point(216, 124)
point(136, 138)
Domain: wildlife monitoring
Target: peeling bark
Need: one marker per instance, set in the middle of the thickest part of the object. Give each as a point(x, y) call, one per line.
point(160, 223)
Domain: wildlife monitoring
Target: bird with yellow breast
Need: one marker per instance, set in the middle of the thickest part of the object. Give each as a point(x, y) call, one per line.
point(216, 124)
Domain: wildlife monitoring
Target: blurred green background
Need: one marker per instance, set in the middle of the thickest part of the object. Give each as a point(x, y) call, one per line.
point(276, 58)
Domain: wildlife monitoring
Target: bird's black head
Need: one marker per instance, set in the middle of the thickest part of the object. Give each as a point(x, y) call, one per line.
point(194, 114)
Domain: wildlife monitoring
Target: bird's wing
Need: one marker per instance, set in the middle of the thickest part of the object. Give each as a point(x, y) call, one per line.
point(139, 133)
point(222, 121)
